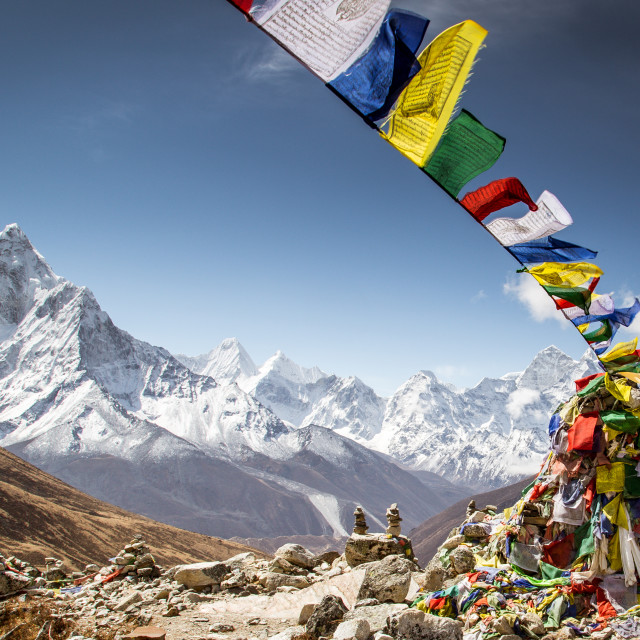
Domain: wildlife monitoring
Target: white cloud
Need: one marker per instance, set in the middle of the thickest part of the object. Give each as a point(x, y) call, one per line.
point(519, 399)
point(270, 63)
point(481, 295)
point(527, 291)
point(451, 372)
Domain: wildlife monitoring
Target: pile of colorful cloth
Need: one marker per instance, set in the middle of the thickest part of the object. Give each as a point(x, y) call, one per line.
point(566, 555)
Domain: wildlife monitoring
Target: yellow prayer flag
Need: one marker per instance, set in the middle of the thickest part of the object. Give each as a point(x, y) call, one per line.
point(570, 411)
point(423, 109)
point(620, 350)
point(617, 388)
point(613, 553)
point(610, 479)
point(615, 510)
point(565, 274)
point(630, 375)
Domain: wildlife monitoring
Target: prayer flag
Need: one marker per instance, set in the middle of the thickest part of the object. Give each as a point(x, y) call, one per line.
point(622, 352)
point(243, 5)
point(550, 249)
point(619, 389)
point(466, 150)
point(549, 217)
point(599, 305)
point(495, 196)
point(565, 275)
point(373, 82)
point(620, 421)
point(423, 110)
point(327, 36)
point(618, 317)
point(581, 433)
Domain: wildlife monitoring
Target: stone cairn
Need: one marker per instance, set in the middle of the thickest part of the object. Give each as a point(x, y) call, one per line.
point(365, 547)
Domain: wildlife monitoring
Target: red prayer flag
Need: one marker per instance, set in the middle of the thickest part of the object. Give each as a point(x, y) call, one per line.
point(583, 382)
point(559, 553)
point(243, 5)
point(582, 432)
point(495, 196)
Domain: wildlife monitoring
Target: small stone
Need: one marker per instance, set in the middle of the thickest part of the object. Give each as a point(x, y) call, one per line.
point(367, 602)
point(501, 625)
point(305, 612)
point(533, 622)
point(326, 617)
point(221, 628)
point(462, 560)
point(147, 633)
point(171, 612)
point(357, 629)
point(452, 543)
point(201, 574)
point(296, 554)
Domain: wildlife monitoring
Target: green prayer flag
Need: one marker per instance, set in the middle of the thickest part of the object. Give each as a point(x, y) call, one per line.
point(466, 149)
point(601, 334)
point(583, 540)
point(591, 387)
point(578, 296)
point(631, 482)
point(549, 572)
point(620, 421)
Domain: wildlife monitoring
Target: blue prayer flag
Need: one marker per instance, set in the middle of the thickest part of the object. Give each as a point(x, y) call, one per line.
point(374, 81)
point(550, 249)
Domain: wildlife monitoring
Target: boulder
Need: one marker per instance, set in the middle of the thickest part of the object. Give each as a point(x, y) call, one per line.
point(289, 634)
point(357, 629)
point(434, 575)
point(241, 561)
point(129, 598)
point(272, 581)
point(375, 615)
point(387, 579)
point(11, 582)
point(326, 617)
point(305, 612)
point(533, 622)
point(454, 541)
point(201, 574)
point(413, 624)
point(462, 560)
point(297, 555)
point(371, 547)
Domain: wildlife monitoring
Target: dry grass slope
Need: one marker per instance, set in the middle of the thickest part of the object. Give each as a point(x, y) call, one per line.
point(42, 516)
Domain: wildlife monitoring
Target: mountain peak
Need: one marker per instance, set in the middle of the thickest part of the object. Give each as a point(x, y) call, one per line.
point(279, 364)
point(23, 272)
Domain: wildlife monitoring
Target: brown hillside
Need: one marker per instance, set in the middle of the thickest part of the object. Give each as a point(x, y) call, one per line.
point(42, 516)
point(428, 536)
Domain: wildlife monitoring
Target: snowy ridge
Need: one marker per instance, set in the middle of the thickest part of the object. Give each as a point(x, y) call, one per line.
point(129, 423)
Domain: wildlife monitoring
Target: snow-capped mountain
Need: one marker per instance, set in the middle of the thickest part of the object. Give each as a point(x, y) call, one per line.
point(486, 436)
point(483, 437)
point(298, 396)
point(128, 423)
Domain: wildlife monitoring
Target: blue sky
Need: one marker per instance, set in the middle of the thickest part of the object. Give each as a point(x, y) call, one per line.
point(204, 185)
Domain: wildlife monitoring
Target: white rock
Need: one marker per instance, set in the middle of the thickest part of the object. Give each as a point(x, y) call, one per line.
point(357, 629)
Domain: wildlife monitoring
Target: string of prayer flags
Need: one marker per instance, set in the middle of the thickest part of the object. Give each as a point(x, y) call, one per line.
point(466, 150)
point(325, 35)
point(423, 109)
point(550, 249)
point(565, 275)
point(373, 82)
point(368, 54)
point(495, 196)
point(548, 217)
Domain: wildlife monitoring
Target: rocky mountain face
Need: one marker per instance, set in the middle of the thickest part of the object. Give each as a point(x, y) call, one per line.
point(130, 424)
point(484, 437)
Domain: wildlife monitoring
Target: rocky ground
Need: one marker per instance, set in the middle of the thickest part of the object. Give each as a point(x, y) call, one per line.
point(373, 590)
